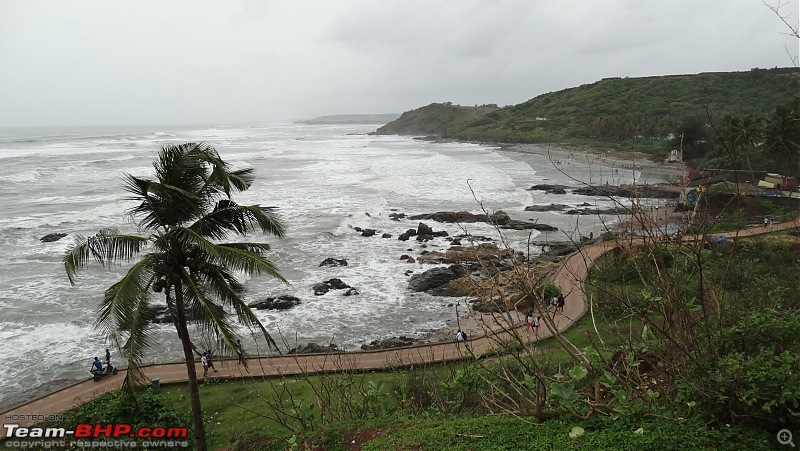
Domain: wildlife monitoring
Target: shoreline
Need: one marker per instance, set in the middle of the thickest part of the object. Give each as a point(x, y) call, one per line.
point(665, 171)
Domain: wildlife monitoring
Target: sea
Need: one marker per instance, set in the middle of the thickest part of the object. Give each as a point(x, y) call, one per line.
point(325, 180)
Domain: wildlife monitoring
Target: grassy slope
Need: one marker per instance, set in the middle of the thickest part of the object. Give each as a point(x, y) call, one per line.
point(608, 110)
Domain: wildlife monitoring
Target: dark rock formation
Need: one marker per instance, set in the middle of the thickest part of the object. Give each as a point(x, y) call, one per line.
point(283, 302)
point(551, 207)
point(386, 235)
point(598, 211)
point(332, 284)
point(388, 343)
point(548, 188)
point(500, 218)
point(639, 191)
point(313, 348)
point(333, 262)
point(407, 234)
point(435, 278)
point(368, 232)
point(49, 238)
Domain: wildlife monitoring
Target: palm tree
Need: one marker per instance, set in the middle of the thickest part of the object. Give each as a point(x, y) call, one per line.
point(782, 137)
point(185, 211)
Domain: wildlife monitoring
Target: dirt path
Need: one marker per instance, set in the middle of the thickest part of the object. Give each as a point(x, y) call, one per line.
point(569, 277)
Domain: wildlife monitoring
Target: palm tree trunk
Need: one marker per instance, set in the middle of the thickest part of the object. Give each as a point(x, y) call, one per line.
point(194, 389)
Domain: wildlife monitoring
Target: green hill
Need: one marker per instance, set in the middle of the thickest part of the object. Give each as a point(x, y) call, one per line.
point(610, 110)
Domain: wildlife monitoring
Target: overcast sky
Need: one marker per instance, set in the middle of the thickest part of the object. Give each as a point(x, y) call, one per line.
point(181, 62)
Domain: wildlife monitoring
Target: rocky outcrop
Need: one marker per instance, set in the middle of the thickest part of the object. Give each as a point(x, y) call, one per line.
point(551, 207)
point(500, 218)
point(368, 232)
point(435, 278)
point(333, 284)
point(598, 211)
point(547, 187)
point(49, 238)
point(283, 302)
point(638, 191)
point(458, 254)
point(333, 262)
point(313, 348)
point(388, 343)
point(407, 234)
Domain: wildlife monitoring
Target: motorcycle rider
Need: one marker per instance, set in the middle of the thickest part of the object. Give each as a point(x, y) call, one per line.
point(97, 365)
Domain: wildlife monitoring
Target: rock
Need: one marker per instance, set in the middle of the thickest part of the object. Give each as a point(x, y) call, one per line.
point(313, 348)
point(282, 302)
point(320, 289)
point(332, 284)
point(333, 262)
point(489, 306)
point(598, 211)
point(388, 343)
point(337, 284)
point(556, 191)
point(386, 235)
point(526, 225)
point(424, 229)
point(357, 229)
point(551, 207)
point(638, 191)
point(546, 188)
point(351, 292)
point(461, 217)
point(435, 277)
point(49, 238)
point(411, 260)
point(457, 254)
point(407, 234)
point(456, 242)
point(396, 216)
point(368, 232)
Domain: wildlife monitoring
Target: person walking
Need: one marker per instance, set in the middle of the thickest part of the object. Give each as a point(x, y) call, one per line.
point(529, 321)
point(204, 362)
point(108, 357)
point(210, 362)
point(560, 303)
point(536, 322)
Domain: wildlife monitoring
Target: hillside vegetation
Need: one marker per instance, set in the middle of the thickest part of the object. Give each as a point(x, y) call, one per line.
point(611, 110)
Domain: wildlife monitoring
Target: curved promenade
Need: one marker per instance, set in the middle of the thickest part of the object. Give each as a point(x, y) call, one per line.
point(570, 277)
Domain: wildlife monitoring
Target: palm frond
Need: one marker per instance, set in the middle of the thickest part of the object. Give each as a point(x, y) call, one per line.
point(162, 204)
point(107, 246)
point(240, 258)
point(207, 315)
point(125, 310)
point(228, 216)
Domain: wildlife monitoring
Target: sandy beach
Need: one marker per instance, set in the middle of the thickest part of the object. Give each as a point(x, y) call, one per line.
point(656, 170)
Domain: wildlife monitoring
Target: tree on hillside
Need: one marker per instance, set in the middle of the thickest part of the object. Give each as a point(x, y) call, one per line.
point(694, 137)
point(185, 211)
point(782, 137)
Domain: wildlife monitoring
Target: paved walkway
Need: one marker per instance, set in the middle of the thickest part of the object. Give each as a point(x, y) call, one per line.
point(569, 277)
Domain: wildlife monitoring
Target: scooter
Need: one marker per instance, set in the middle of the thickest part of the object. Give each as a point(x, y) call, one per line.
point(99, 374)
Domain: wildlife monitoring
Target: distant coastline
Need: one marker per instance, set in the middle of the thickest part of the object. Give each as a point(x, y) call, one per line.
point(378, 119)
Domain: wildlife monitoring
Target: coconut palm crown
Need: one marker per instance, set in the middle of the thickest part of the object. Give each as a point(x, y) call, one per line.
point(184, 214)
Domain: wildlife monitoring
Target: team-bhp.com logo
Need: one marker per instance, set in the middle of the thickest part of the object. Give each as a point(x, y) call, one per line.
point(85, 435)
